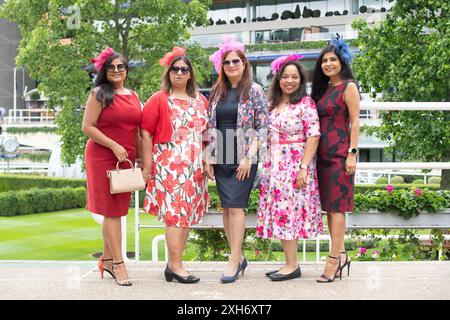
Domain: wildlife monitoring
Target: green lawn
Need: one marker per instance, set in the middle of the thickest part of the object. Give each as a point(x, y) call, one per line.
point(63, 235)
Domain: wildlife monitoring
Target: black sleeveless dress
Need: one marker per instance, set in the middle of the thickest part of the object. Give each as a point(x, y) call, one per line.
point(232, 193)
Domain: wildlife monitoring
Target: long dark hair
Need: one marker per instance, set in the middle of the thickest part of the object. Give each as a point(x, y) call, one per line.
point(320, 80)
point(105, 93)
point(275, 94)
point(223, 85)
point(191, 86)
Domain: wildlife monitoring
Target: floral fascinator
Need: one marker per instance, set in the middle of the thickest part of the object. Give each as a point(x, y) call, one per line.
point(342, 49)
point(169, 56)
point(276, 64)
point(229, 44)
point(102, 57)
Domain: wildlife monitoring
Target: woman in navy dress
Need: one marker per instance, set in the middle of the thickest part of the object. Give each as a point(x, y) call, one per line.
point(337, 97)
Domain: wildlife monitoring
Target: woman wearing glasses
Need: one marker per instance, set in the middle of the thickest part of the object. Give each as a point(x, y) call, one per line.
point(173, 123)
point(111, 121)
point(238, 120)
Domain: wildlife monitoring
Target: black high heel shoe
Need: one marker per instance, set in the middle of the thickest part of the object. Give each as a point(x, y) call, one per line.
point(325, 279)
point(102, 268)
point(170, 275)
point(124, 283)
point(345, 264)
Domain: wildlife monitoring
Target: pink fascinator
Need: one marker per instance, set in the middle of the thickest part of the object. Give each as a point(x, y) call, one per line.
point(169, 56)
point(229, 44)
point(279, 62)
point(102, 57)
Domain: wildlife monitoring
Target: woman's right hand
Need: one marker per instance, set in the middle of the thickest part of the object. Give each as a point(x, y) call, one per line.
point(119, 151)
point(209, 171)
point(147, 174)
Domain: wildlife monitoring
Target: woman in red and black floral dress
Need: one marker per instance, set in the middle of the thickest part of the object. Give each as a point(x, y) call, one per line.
point(173, 123)
point(337, 98)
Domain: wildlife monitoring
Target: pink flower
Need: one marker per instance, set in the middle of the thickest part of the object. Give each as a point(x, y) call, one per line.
point(281, 218)
point(389, 188)
point(376, 254)
point(257, 252)
point(362, 250)
point(418, 192)
point(277, 195)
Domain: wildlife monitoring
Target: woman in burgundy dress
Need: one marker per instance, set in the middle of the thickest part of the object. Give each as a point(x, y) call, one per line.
point(337, 97)
point(111, 121)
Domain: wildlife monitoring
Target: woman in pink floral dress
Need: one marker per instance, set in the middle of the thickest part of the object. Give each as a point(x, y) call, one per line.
point(289, 205)
point(173, 123)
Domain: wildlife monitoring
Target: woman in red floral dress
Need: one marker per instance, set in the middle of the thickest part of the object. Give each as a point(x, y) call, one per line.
point(173, 123)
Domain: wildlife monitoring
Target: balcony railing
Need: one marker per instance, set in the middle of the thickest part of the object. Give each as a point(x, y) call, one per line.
point(30, 117)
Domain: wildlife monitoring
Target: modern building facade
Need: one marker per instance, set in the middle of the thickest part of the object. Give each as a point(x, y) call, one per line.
point(9, 43)
point(272, 28)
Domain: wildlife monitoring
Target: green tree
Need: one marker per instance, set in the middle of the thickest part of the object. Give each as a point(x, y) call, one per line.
point(142, 30)
point(406, 57)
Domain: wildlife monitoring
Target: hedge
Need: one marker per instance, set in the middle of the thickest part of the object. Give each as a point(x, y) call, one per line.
point(25, 182)
point(41, 200)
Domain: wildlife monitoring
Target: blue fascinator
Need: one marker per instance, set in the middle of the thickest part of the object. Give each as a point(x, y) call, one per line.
point(342, 48)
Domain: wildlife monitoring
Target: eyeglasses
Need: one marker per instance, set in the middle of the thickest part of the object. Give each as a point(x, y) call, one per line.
point(111, 67)
point(184, 70)
point(236, 62)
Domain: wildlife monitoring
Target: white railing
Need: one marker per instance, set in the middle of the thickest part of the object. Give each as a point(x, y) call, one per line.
point(30, 116)
point(403, 106)
point(13, 167)
point(371, 176)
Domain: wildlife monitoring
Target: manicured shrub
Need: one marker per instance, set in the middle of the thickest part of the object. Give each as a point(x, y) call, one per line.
point(11, 182)
point(397, 179)
point(434, 180)
point(382, 180)
point(41, 200)
point(418, 181)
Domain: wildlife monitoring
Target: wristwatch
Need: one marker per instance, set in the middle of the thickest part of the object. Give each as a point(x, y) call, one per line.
point(303, 166)
point(353, 150)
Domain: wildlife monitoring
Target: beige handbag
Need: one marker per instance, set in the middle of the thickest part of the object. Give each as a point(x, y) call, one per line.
point(125, 180)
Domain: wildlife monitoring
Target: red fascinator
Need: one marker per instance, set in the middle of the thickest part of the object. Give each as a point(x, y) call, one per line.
point(102, 57)
point(169, 56)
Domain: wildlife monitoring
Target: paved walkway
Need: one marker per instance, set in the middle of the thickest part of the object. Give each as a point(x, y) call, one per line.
point(80, 280)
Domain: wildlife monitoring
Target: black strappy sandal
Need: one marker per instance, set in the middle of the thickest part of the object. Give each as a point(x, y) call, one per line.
point(125, 283)
point(325, 279)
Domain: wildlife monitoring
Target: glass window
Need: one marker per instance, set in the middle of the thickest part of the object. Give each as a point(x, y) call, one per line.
point(319, 5)
point(263, 8)
point(301, 4)
point(372, 4)
point(295, 34)
point(227, 11)
point(262, 75)
point(283, 5)
point(280, 35)
point(213, 40)
point(355, 6)
point(236, 9)
point(375, 155)
point(262, 36)
point(336, 5)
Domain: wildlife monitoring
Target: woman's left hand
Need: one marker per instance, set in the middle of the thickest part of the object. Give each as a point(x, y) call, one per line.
point(350, 165)
point(301, 179)
point(243, 171)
